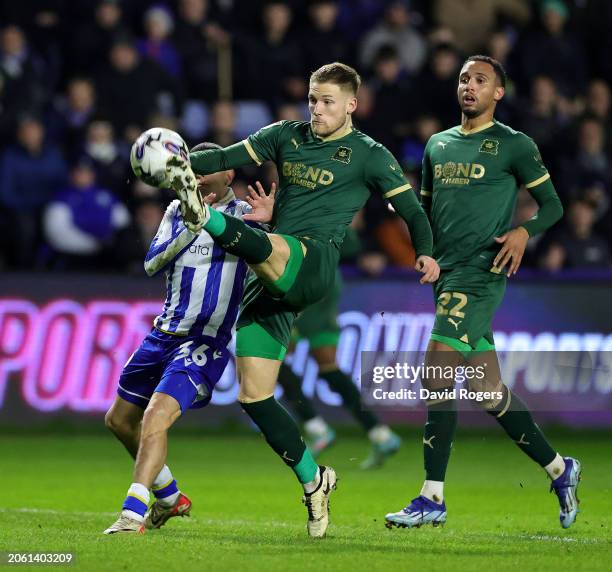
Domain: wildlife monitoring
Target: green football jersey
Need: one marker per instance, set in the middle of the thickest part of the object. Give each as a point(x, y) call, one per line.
point(473, 179)
point(323, 182)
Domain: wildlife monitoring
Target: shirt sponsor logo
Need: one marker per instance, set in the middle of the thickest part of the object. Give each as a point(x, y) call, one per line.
point(199, 249)
point(306, 176)
point(451, 173)
point(490, 146)
point(343, 154)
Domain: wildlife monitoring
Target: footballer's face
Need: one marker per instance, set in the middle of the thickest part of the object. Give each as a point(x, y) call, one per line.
point(479, 89)
point(215, 183)
point(330, 107)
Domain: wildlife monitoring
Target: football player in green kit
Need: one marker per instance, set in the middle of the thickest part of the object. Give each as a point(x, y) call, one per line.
point(471, 177)
point(327, 170)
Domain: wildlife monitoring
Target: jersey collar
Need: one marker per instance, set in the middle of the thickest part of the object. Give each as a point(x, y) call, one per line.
point(476, 129)
point(339, 135)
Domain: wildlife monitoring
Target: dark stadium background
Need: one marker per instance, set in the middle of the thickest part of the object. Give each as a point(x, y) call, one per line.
point(80, 80)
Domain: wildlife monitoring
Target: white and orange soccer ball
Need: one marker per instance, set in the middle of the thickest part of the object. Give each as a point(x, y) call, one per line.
point(151, 151)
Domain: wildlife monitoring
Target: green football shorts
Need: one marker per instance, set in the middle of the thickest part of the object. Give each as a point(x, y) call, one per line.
point(466, 301)
point(276, 314)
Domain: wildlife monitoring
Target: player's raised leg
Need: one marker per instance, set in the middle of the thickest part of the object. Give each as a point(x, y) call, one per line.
point(513, 415)
point(429, 507)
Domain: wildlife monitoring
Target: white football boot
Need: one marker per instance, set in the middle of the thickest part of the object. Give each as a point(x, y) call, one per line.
point(317, 503)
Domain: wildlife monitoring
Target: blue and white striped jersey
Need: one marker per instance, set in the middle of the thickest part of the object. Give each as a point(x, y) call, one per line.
point(204, 284)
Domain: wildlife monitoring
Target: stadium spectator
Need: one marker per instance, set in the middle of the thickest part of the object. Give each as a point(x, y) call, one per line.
point(323, 41)
point(358, 16)
point(198, 38)
point(158, 24)
point(598, 104)
point(437, 85)
point(473, 21)
point(81, 221)
point(109, 160)
point(396, 30)
point(274, 58)
point(553, 51)
point(132, 89)
point(363, 116)
point(91, 41)
point(133, 242)
point(24, 73)
point(546, 118)
point(391, 92)
point(577, 245)
point(30, 172)
point(71, 113)
point(591, 163)
point(413, 147)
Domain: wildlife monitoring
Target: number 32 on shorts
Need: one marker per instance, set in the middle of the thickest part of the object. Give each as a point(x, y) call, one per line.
point(198, 355)
point(459, 299)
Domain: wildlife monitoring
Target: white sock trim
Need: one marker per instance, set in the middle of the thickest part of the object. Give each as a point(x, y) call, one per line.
point(556, 467)
point(312, 485)
point(433, 490)
point(163, 478)
point(133, 515)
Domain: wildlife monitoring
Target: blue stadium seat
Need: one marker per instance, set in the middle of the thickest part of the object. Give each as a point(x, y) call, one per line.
point(251, 116)
point(194, 121)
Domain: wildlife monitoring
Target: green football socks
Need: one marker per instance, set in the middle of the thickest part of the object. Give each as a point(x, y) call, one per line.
point(282, 434)
point(237, 237)
point(438, 439)
point(512, 414)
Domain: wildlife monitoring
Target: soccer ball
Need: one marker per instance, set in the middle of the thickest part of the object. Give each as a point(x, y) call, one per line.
point(151, 151)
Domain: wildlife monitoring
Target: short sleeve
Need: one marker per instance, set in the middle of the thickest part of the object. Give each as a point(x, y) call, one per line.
point(527, 163)
point(383, 174)
point(262, 145)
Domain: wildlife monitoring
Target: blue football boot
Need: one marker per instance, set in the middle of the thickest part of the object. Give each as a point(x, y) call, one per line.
point(420, 511)
point(566, 489)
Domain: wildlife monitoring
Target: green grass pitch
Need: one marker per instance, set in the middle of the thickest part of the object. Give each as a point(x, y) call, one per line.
point(60, 491)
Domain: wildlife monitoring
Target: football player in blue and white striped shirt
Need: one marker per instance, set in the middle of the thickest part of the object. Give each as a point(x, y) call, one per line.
point(179, 362)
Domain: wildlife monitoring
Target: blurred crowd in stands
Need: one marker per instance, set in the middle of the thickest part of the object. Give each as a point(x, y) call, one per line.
point(79, 80)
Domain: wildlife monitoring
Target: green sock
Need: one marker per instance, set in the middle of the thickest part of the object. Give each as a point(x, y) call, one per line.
point(292, 388)
point(342, 384)
point(282, 434)
point(237, 237)
point(438, 439)
point(512, 414)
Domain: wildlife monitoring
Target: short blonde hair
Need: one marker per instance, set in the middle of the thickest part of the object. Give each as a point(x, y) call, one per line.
point(338, 73)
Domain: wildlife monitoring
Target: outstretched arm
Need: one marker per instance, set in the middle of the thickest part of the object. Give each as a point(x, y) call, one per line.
point(215, 160)
point(256, 148)
point(171, 240)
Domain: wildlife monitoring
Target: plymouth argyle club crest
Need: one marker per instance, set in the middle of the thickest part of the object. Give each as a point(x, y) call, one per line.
point(490, 146)
point(343, 154)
